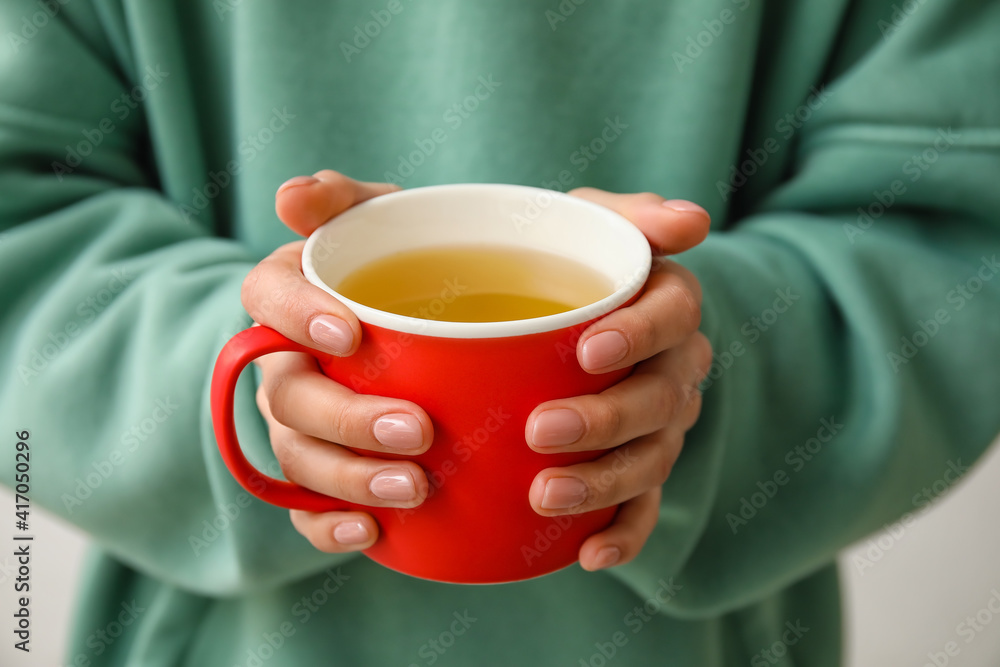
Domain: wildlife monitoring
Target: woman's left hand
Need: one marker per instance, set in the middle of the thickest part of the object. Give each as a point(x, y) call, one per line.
point(642, 420)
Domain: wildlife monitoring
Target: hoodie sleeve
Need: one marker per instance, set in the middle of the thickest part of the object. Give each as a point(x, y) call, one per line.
point(115, 303)
point(855, 317)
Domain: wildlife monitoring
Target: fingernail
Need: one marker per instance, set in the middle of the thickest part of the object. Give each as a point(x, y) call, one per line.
point(393, 485)
point(331, 333)
point(684, 206)
point(351, 532)
point(555, 428)
point(607, 557)
point(294, 182)
point(604, 349)
point(399, 431)
point(563, 492)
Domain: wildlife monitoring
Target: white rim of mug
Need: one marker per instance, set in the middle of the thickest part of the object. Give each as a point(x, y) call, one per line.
point(625, 289)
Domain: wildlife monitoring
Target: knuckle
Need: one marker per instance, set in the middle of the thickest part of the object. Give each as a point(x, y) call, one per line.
point(317, 537)
point(276, 391)
point(297, 518)
point(702, 352)
point(288, 455)
point(608, 421)
point(334, 178)
point(614, 485)
point(270, 289)
point(696, 403)
point(693, 411)
point(342, 419)
point(603, 487)
point(260, 396)
point(668, 398)
point(688, 305)
point(340, 188)
point(353, 483)
point(319, 541)
point(663, 466)
point(295, 309)
point(339, 417)
point(688, 278)
point(648, 198)
point(644, 330)
point(695, 286)
point(249, 289)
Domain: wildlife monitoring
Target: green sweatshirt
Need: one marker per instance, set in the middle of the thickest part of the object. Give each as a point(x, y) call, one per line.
point(849, 153)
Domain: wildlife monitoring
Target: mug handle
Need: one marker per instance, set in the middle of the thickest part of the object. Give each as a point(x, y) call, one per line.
point(241, 349)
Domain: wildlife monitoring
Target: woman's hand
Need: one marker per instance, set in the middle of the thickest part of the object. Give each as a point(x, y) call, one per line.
point(641, 421)
point(306, 412)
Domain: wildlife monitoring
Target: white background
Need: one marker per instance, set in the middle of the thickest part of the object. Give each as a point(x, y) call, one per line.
point(908, 604)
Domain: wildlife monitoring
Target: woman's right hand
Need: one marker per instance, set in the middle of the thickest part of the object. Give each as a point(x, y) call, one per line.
point(309, 415)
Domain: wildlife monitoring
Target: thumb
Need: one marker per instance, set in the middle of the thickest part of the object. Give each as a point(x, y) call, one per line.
point(671, 226)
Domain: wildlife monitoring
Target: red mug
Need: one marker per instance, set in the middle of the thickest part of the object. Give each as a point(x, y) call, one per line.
point(478, 382)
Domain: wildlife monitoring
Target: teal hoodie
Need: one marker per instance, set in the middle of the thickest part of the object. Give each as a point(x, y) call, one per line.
point(849, 153)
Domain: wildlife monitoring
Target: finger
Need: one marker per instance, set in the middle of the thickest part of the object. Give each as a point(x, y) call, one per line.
point(697, 353)
point(303, 400)
point(670, 226)
point(278, 362)
point(619, 475)
point(306, 202)
point(276, 294)
point(624, 539)
point(664, 315)
point(336, 532)
point(330, 469)
point(326, 467)
point(658, 393)
point(689, 414)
